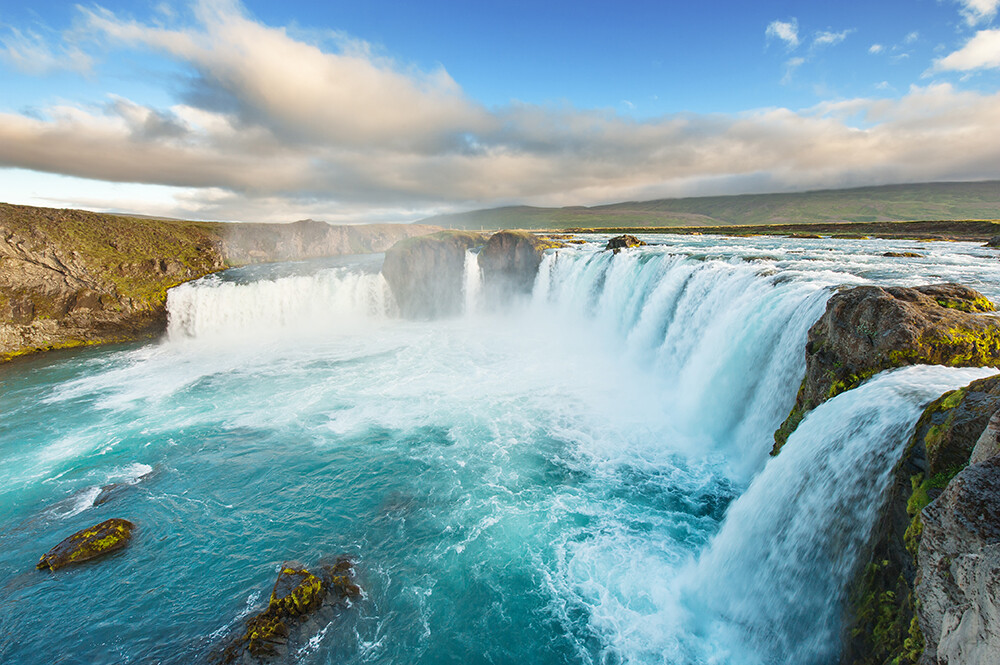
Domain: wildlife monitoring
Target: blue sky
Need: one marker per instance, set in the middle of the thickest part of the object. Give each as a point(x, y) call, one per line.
point(376, 111)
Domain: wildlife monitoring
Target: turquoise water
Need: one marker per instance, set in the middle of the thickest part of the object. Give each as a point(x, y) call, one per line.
point(544, 483)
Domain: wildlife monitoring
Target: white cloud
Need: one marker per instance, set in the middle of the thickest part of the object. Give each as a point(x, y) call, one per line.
point(911, 37)
point(279, 128)
point(786, 31)
point(875, 49)
point(976, 11)
point(830, 38)
point(33, 53)
point(981, 52)
point(791, 65)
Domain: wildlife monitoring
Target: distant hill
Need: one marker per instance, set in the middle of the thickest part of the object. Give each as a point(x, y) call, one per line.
point(925, 201)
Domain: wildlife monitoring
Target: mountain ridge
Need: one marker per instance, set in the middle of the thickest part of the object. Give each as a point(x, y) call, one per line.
point(883, 203)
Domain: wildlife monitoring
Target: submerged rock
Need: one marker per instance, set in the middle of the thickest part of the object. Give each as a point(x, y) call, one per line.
point(296, 596)
point(510, 261)
point(959, 570)
point(867, 329)
point(903, 255)
point(106, 537)
point(621, 242)
point(427, 273)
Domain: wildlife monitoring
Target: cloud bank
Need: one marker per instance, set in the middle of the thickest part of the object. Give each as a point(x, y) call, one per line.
point(271, 125)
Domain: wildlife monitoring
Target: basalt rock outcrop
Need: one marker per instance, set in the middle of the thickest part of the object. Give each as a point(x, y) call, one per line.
point(108, 536)
point(426, 274)
point(509, 262)
point(889, 612)
point(298, 595)
point(71, 278)
point(867, 329)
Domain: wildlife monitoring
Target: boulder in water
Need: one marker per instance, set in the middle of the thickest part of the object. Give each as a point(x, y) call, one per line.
point(297, 594)
point(621, 242)
point(867, 329)
point(993, 242)
point(106, 537)
point(903, 255)
point(510, 260)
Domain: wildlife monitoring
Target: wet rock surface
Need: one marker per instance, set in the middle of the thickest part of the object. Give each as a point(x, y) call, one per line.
point(621, 242)
point(867, 329)
point(510, 260)
point(108, 536)
point(298, 597)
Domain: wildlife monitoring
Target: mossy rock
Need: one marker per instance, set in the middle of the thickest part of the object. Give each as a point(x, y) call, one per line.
point(624, 241)
point(868, 329)
point(297, 594)
point(104, 538)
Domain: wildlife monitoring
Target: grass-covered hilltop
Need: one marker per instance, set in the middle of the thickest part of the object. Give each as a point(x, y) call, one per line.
point(951, 201)
point(72, 278)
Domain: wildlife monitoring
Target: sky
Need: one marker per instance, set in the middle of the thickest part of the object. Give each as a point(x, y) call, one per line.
point(268, 110)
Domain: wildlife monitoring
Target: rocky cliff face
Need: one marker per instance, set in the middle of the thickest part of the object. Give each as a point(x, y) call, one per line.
point(70, 278)
point(426, 274)
point(510, 261)
point(867, 329)
point(959, 570)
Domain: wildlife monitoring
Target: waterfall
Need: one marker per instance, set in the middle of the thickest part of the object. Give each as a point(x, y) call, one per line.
point(472, 283)
point(213, 308)
point(726, 337)
point(769, 589)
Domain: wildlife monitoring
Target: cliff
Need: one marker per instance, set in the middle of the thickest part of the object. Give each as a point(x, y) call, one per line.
point(72, 278)
point(427, 274)
point(867, 329)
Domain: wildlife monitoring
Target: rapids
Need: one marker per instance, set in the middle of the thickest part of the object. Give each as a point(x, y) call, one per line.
point(580, 477)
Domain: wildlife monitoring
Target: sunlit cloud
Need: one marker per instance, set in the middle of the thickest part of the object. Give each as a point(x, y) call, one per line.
point(980, 52)
point(979, 11)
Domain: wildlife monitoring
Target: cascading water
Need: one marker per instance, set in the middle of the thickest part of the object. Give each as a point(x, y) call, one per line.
point(578, 478)
point(472, 283)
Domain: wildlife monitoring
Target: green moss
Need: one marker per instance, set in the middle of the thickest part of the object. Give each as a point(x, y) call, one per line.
point(786, 429)
point(979, 304)
point(108, 536)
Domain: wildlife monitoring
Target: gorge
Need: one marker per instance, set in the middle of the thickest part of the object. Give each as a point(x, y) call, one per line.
point(532, 449)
